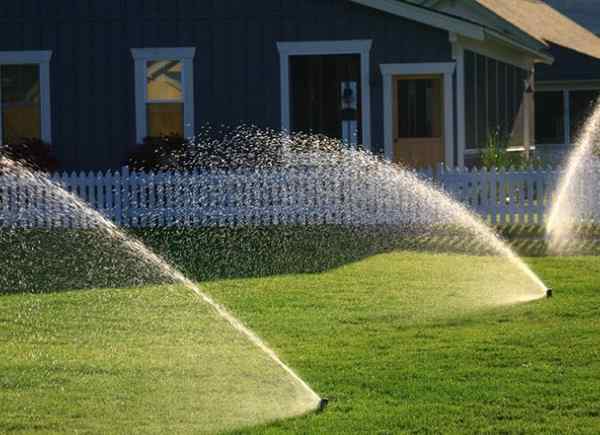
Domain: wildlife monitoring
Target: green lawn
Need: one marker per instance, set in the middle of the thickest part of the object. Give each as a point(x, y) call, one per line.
point(400, 342)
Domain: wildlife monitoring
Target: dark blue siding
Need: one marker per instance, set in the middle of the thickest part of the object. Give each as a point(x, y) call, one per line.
point(568, 65)
point(236, 65)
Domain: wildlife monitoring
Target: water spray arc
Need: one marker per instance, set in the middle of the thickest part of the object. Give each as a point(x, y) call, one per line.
point(562, 218)
point(338, 187)
point(152, 259)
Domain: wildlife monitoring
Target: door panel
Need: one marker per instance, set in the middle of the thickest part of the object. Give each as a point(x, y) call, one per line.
point(418, 120)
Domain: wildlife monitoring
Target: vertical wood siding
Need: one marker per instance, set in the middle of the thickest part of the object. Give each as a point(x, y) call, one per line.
point(236, 65)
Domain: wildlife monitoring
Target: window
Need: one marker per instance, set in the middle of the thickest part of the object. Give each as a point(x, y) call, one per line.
point(419, 108)
point(164, 92)
point(549, 118)
point(25, 96)
point(325, 88)
point(560, 114)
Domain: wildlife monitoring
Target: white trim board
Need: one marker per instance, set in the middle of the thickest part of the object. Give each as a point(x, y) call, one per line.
point(565, 85)
point(318, 48)
point(42, 59)
point(446, 69)
point(458, 54)
point(141, 56)
point(494, 50)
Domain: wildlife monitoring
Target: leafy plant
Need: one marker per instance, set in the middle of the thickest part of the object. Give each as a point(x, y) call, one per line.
point(32, 153)
point(497, 154)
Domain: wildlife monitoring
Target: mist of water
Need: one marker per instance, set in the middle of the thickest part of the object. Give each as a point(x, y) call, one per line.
point(421, 211)
point(410, 213)
point(305, 398)
point(344, 182)
point(576, 201)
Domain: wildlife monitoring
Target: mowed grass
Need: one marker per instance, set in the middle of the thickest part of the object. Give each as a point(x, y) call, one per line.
point(140, 360)
point(400, 343)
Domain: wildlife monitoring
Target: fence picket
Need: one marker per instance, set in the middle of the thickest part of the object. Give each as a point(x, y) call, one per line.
point(290, 196)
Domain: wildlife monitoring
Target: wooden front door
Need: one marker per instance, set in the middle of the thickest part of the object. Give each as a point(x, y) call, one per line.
point(418, 120)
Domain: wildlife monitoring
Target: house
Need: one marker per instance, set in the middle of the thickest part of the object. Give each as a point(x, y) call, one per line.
point(566, 89)
point(415, 84)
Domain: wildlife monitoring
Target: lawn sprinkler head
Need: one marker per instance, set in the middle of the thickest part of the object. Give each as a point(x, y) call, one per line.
point(322, 405)
point(549, 293)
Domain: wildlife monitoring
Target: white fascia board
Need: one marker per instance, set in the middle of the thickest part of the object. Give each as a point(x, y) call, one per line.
point(425, 16)
point(494, 24)
point(538, 56)
point(496, 50)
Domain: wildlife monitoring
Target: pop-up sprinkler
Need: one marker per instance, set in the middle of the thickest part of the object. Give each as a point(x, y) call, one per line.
point(322, 405)
point(549, 293)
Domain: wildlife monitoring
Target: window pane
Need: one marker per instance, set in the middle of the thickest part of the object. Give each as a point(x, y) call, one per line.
point(549, 119)
point(165, 119)
point(581, 107)
point(164, 80)
point(326, 96)
point(418, 108)
point(20, 102)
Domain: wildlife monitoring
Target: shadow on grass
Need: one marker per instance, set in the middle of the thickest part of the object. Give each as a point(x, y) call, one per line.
point(59, 260)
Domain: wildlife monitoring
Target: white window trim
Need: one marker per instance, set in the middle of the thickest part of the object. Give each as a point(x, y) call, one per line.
point(321, 48)
point(566, 87)
point(141, 56)
point(42, 59)
point(446, 69)
point(566, 106)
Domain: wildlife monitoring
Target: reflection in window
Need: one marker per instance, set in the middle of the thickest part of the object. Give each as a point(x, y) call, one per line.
point(416, 108)
point(549, 118)
point(165, 99)
point(20, 90)
point(582, 103)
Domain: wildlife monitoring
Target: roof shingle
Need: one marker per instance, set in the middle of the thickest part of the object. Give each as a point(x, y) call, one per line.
point(545, 24)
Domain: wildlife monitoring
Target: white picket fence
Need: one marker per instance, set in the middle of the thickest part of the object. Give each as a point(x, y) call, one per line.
point(264, 197)
point(503, 196)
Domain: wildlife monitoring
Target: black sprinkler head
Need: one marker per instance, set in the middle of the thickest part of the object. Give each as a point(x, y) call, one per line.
point(549, 293)
point(322, 405)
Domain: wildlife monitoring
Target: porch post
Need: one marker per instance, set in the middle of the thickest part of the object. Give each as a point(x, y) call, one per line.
point(458, 53)
point(449, 120)
point(388, 121)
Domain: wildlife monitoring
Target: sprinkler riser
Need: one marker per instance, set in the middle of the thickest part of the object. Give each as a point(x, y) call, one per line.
point(549, 293)
point(322, 405)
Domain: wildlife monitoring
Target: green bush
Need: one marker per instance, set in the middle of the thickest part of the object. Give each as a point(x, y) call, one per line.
point(497, 154)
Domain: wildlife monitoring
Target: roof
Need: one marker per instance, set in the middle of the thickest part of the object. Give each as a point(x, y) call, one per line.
point(544, 23)
point(462, 25)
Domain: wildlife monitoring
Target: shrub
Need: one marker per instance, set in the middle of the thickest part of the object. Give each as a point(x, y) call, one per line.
point(234, 147)
point(497, 154)
point(32, 153)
